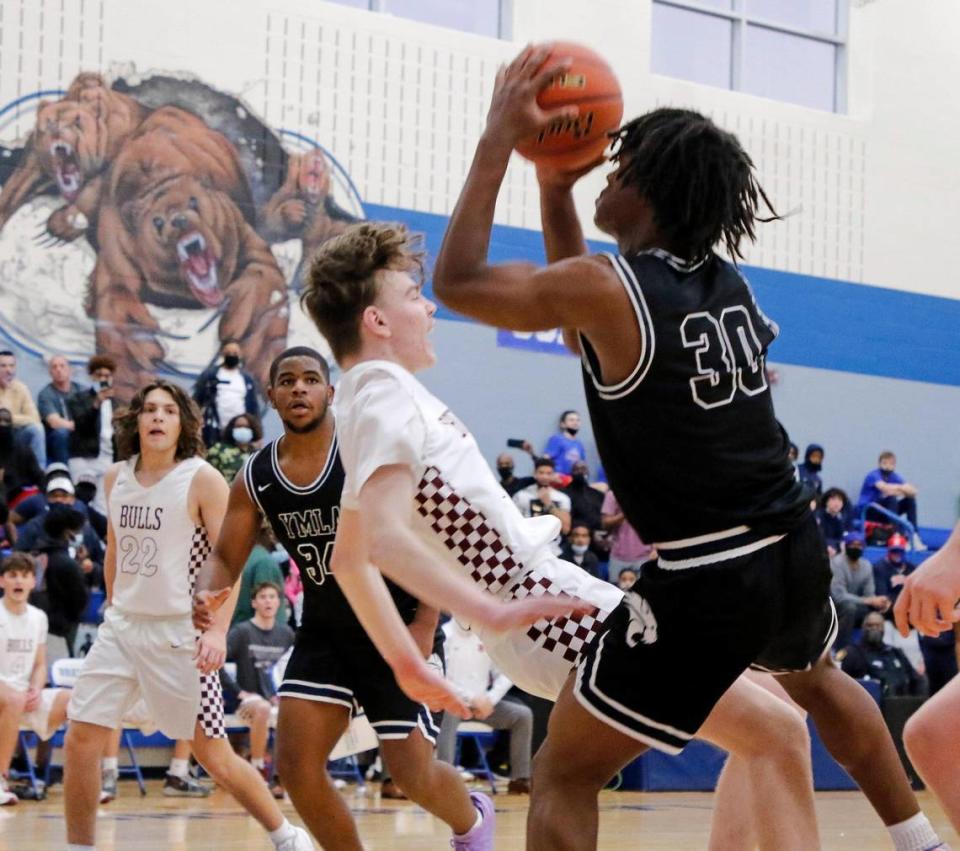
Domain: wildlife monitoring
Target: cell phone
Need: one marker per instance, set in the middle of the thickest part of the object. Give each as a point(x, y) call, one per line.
point(514, 443)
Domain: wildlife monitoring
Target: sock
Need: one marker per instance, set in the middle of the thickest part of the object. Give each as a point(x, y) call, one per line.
point(285, 831)
point(914, 834)
point(476, 824)
point(109, 763)
point(257, 763)
point(179, 768)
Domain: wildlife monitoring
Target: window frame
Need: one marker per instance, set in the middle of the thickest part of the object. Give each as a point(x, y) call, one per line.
point(740, 20)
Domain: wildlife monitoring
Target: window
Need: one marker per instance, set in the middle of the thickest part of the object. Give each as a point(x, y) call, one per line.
point(781, 49)
point(483, 17)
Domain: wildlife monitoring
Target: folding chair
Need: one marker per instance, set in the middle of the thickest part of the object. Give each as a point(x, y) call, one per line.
point(480, 734)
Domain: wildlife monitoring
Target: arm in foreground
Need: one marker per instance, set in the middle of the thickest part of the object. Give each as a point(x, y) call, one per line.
point(930, 594)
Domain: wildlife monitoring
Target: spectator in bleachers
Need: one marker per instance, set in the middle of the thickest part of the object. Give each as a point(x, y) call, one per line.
point(793, 453)
point(885, 487)
point(21, 472)
point(61, 496)
point(23, 667)
point(16, 398)
point(890, 572)
point(86, 491)
point(255, 645)
point(93, 447)
point(223, 391)
point(576, 549)
point(263, 566)
point(871, 658)
point(586, 502)
point(470, 669)
point(627, 549)
point(833, 515)
point(627, 579)
point(505, 469)
point(61, 589)
point(852, 588)
point(52, 406)
point(238, 441)
point(563, 447)
point(542, 498)
point(809, 470)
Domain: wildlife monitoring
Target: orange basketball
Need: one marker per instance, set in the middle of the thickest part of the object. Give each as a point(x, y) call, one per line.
point(590, 84)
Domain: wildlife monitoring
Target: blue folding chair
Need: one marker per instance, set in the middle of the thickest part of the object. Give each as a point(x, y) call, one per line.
point(481, 735)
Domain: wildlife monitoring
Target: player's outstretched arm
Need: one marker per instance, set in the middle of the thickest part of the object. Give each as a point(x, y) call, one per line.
point(930, 595)
point(222, 569)
point(386, 501)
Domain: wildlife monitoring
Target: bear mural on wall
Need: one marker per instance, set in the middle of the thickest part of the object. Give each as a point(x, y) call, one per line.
point(180, 192)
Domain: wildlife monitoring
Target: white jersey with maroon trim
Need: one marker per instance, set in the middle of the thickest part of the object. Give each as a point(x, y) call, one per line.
point(386, 417)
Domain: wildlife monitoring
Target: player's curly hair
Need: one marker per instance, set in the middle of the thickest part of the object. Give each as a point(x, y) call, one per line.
point(698, 179)
point(127, 431)
point(342, 280)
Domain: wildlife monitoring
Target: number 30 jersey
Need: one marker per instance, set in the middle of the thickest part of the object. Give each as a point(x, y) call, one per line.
point(159, 548)
point(689, 440)
point(304, 519)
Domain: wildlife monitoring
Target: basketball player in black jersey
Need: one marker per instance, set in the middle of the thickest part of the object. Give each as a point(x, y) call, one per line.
point(296, 482)
point(673, 346)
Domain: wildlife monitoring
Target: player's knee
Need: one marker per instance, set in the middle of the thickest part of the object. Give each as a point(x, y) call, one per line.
point(12, 700)
point(920, 737)
point(83, 737)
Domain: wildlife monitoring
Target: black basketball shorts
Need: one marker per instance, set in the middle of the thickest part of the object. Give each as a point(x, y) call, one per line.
point(681, 637)
point(347, 669)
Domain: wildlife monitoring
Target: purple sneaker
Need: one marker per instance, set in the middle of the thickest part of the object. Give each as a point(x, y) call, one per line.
point(479, 838)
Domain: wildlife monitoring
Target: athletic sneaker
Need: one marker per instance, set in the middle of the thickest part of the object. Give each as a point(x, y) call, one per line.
point(7, 798)
point(183, 787)
point(108, 786)
point(299, 840)
point(479, 838)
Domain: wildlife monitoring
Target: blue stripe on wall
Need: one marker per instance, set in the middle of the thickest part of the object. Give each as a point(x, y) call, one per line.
point(823, 323)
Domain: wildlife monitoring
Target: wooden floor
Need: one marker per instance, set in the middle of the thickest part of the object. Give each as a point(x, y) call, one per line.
point(628, 820)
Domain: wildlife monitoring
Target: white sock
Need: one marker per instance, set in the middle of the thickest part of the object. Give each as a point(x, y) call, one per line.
point(257, 763)
point(110, 763)
point(285, 831)
point(914, 834)
point(179, 768)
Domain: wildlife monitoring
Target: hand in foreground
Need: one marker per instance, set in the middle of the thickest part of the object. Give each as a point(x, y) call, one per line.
point(514, 112)
point(504, 616)
point(550, 177)
point(423, 684)
point(211, 651)
point(31, 699)
point(205, 604)
point(929, 596)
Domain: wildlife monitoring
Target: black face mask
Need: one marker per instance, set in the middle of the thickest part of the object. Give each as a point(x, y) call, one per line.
point(873, 637)
point(231, 361)
point(854, 553)
point(505, 472)
point(816, 468)
point(6, 439)
point(578, 479)
point(571, 431)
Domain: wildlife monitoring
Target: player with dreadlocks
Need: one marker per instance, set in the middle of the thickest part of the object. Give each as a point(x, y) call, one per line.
point(673, 346)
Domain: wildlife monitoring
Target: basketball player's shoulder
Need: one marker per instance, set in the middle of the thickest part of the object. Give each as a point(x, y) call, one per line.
point(110, 477)
point(585, 270)
point(207, 478)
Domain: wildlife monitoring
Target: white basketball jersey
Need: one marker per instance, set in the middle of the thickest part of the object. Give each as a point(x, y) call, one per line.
point(386, 417)
point(159, 547)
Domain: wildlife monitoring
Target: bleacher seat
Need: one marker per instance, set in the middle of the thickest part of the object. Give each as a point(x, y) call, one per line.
point(481, 735)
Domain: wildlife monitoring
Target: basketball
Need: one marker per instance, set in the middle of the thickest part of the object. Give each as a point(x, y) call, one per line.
point(590, 84)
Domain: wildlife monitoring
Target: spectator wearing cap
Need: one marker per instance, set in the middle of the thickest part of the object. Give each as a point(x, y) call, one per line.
point(833, 515)
point(92, 445)
point(16, 398)
point(52, 405)
point(852, 589)
point(809, 471)
point(627, 549)
point(563, 448)
point(890, 572)
point(885, 487)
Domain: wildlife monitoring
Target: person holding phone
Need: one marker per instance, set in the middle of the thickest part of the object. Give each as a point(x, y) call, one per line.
point(508, 481)
point(92, 445)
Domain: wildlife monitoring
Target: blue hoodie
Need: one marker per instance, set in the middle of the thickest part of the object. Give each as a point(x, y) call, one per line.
point(810, 473)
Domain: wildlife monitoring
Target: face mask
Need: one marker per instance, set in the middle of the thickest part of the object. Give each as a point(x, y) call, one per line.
point(505, 472)
point(279, 554)
point(854, 553)
point(579, 549)
point(572, 431)
point(231, 361)
point(578, 479)
point(242, 434)
point(814, 467)
point(873, 637)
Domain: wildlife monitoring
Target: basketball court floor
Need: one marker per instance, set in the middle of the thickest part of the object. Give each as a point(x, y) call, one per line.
point(629, 820)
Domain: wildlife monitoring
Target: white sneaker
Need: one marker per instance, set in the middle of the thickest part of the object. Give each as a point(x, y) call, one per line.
point(7, 798)
point(918, 544)
point(299, 840)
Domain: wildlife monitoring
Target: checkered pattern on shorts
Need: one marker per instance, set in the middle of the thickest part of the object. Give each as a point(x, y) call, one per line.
point(200, 548)
point(565, 635)
point(211, 707)
point(465, 531)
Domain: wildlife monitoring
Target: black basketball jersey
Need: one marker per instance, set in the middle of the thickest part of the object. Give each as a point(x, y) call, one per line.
point(304, 519)
point(689, 440)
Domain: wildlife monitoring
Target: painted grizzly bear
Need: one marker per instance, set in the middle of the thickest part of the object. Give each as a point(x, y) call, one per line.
point(171, 233)
point(68, 153)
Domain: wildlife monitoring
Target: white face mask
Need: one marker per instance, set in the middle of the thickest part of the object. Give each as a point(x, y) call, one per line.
point(579, 549)
point(242, 435)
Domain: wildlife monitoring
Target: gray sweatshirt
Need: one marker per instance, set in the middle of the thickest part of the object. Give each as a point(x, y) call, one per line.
point(851, 582)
